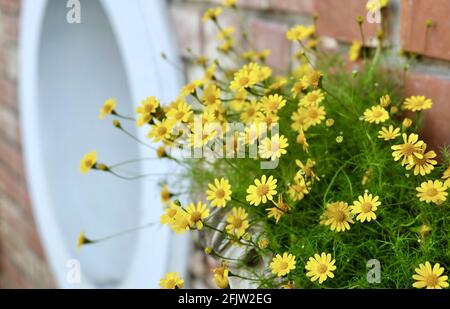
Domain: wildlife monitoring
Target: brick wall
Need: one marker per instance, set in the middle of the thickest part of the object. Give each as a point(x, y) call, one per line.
point(268, 20)
point(22, 261)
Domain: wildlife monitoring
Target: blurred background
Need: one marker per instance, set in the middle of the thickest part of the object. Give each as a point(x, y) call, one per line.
point(56, 71)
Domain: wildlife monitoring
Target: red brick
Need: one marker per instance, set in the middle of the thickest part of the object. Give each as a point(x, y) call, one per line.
point(414, 15)
point(10, 125)
point(19, 226)
point(11, 157)
point(436, 129)
point(271, 35)
point(337, 19)
point(8, 92)
point(187, 21)
point(293, 6)
point(11, 7)
point(9, 29)
point(247, 4)
point(12, 186)
point(11, 277)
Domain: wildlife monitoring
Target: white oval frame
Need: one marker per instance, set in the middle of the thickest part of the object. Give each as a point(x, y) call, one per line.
point(143, 65)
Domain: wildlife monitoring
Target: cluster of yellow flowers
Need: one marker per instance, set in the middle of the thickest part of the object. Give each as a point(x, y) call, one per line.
point(251, 94)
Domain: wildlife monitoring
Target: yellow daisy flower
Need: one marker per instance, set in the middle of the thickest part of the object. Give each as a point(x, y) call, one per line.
point(311, 79)
point(88, 162)
point(229, 3)
point(220, 277)
point(161, 131)
point(307, 169)
point(168, 217)
point(219, 193)
point(237, 222)
point(268, 119)
point(238, 101)
point(212, 14)
point(279, 82)
point(210, 72)
point(298, 119)
point(385, 100)
point(180, 112)
point(243, 79)
point(300, 32)
point(197, 214)
point(376, 114)
point(273, 103)
point(432, 192)
point(82, 240)
point(166, 195)
point(202, 136)
point(108, 108)
point(446, 176)
point(407, 122)
point(181, 222)
point(190, 88)
point(297, 88)
point(312, 98)
point(262, 191)
point(225, 33)
point(211, 95)
point(320, 267)
point(279, 210)
point(417, 103)
point(373, 5)
point(365, 207)
point(355, 51)
point(299, 188)
point(315, 114)
point(388, 133)
point(145, 110)
point(430, 277)
point(337, 216)
point(171, 280)
point(424, 165)
point(282, 265)
point(250, 111)
point(273, 148)
point(411, 148)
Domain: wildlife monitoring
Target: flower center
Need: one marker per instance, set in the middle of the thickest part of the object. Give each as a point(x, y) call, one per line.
point(220, 193)
point(237, 222)
point(284, 265)
point(322, 268)
point(312, 113)
point(88, 163)
point(171, 283)
point(366, 207)
point(312, 98)
point(162, 130)
point(179, 115)
point(298, 188)
point(244, 81)
point(262, 190)
point(431, 280)
point(171, 212)
point(408, 149)
point(432, 192)
point(196, 216)
point(250, 111)
point(273, 105)
point(211, 98)
point(339, 215)
point(377, 114)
